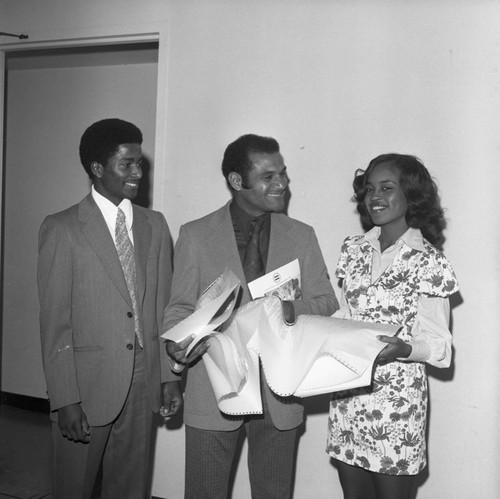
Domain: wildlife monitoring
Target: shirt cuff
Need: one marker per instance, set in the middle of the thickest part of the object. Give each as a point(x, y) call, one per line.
point(420, 352)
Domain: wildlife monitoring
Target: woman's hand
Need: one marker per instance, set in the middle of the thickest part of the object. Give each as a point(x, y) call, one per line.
point(396, 348)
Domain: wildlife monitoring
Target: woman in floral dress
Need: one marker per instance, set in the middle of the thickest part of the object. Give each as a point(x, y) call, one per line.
point(392, 274)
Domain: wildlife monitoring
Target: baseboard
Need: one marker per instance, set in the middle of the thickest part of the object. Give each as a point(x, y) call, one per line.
point(25, 402)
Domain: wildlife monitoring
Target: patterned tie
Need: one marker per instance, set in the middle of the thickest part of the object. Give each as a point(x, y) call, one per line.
point(126, 254)
point(253, 266)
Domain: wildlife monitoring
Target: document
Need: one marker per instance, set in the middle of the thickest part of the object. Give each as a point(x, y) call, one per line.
point(283, 282)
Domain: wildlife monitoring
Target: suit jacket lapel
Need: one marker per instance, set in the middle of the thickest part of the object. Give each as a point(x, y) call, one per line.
point(142, 241)
point(221, 243)
point(281, 243)
point(97, 233)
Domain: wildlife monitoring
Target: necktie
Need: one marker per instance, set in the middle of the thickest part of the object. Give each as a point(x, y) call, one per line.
point(253, 266)
point(126, 255)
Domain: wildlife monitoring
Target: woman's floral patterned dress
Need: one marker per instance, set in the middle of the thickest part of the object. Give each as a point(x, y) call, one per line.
point(382, 427)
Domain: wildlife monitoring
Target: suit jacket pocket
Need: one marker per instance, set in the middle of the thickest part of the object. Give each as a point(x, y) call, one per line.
point(88, 348)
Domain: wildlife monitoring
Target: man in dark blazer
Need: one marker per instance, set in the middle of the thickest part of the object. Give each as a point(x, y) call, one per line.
point(104, 276)
point(256, 175)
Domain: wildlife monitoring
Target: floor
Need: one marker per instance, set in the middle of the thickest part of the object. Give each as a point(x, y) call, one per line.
point(25, 453)
point(25, 443)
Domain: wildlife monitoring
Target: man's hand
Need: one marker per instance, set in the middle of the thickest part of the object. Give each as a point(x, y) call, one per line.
point(395, 349)
point(73, 423)
point(177, 351)
point(172, 399)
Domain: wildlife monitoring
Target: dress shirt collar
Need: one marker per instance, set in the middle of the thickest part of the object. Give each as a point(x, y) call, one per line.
point(412, 238)
point(109, 211)
point(242, 219)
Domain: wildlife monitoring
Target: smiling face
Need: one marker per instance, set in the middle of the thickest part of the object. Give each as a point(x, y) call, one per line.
point(120, 177)
point(266, 185)
point(385, 199)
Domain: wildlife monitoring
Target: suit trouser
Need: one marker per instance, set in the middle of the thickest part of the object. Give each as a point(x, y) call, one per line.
point(271, 459)
point(122, 447)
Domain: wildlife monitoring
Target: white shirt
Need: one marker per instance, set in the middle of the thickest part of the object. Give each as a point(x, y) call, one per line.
point(109, 211)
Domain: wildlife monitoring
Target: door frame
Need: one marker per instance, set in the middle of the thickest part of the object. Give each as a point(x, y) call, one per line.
point(158, 175)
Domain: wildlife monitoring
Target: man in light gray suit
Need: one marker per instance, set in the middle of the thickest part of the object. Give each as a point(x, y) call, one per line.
point(104, 275)
point(256, 175)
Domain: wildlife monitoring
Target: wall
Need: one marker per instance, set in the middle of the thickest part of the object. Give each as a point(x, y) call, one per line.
point(337, 82)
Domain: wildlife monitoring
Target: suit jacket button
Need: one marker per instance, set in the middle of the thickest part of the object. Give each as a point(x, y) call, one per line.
point(130, 315)
point(130, 346)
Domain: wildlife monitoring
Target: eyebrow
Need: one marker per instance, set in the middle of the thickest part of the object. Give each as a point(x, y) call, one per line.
point(272, 171)
point(383, 182)
point(140, 160)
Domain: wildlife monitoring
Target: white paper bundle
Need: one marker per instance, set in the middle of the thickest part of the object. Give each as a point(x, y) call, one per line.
point(314, 356)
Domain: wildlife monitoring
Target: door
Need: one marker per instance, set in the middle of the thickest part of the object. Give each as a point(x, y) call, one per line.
point(52, 96)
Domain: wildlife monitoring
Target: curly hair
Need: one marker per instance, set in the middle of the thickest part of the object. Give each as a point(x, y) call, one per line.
point(421, 193)
point(101, 140)
point(237, 154)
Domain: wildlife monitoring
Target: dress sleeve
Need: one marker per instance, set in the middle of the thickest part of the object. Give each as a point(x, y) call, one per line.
point(342, 264)
point(437, 277)
point(344, 312)
point(431, 341)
